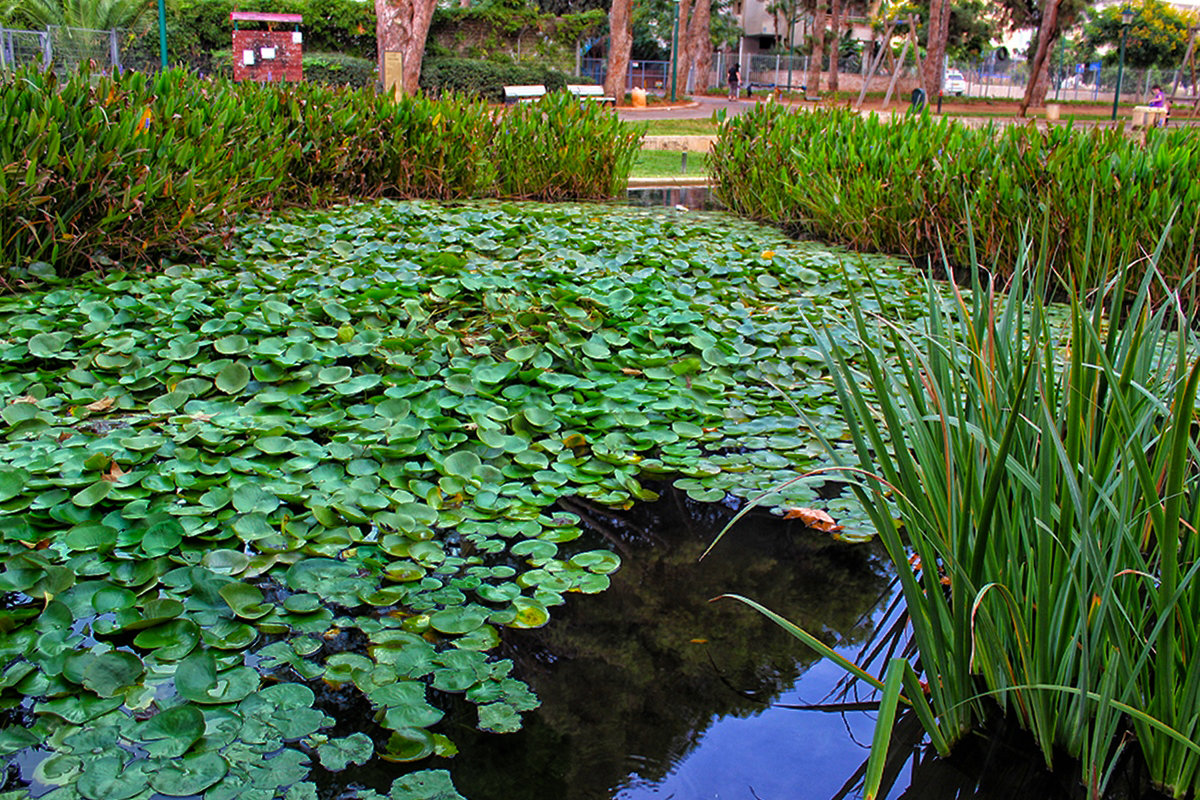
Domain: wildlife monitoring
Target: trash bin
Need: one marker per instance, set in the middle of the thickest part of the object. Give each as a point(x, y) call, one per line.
point(639, 97)
point(918, 100)
point(1053, 112)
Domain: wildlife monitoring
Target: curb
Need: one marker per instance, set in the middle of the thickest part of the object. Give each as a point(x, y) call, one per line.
point(667, 182)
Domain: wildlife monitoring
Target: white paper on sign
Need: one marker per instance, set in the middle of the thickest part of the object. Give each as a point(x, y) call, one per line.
point(268, 53)
point(297, 37)
point(247, 57)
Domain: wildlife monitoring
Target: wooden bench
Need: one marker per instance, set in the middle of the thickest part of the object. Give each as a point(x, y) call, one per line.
point(590, 91)
point(523, 94)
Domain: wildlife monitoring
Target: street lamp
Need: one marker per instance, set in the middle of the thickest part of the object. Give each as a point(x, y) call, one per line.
point(675, 52)
point(1126, 21)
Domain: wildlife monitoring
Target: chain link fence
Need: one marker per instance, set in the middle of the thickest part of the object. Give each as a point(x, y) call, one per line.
point(65, 49)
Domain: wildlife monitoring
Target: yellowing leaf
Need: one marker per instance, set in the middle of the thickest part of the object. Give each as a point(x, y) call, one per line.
point(813, 518)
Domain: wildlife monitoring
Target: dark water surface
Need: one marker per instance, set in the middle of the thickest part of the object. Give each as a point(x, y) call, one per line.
point(649, 690)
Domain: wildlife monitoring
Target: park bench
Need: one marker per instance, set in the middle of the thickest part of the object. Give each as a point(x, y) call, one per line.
point(590, 92)
point(752, 85)
point(523, 94)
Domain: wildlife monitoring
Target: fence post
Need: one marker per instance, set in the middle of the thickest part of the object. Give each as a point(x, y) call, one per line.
point(114, 50)
point(47, 49)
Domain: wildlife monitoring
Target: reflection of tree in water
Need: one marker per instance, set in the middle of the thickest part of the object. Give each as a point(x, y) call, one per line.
point(630, 679)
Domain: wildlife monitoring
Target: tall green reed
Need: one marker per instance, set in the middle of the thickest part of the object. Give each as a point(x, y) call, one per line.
point(898, 185)
point(1035, 484)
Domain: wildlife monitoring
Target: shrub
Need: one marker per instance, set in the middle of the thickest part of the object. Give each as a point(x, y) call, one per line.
point(85, 182)
point(909, 186)
point(338, 69)
point(537, 156)
point(485, 79)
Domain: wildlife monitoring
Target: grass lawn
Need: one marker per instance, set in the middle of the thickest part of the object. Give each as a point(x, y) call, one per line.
point(678, 127)
point(666, 163)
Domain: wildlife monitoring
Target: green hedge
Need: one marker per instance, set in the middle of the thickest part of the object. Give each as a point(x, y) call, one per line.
point(485, 79)
point(916, 185)
point(84, 182)
point(333, 69)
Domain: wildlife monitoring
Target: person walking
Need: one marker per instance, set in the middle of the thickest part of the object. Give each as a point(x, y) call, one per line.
point(733, 81)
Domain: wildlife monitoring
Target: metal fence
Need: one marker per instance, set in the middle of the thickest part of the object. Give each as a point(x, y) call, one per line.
point(64, 49)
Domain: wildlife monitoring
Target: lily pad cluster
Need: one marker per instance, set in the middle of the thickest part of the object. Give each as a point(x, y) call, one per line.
point(333, 455)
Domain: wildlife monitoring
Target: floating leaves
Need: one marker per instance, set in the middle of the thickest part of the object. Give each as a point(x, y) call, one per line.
point(338, 454)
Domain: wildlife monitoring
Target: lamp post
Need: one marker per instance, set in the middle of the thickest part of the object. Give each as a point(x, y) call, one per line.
point(675, 52)
point(1126, 21)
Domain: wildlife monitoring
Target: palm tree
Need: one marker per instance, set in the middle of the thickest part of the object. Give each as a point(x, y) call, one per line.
point(97, 15)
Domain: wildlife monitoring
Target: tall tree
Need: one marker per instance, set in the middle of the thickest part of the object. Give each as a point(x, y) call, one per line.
point(698, 46)
point(1048, 33)
point(836, 22)
point(937, 33)
point(620, 27)
point(402, 26)
point(818, 49)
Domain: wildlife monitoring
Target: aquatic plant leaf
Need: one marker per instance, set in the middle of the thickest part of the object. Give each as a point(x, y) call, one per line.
point(408, 744)
point(233, 378)
point(337, 754)
point(499, 718)
point(108, 673)
point(197, 679)
point(109, 778)
point(170, 733)
point(189, 775)
point(427, 784)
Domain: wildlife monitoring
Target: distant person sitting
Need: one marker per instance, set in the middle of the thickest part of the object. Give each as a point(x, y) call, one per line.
point(733, 82)
point(1159, 100)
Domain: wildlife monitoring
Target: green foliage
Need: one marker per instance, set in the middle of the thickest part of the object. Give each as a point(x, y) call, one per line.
point(84, 182)
point(536, 139)
point(333, 458)
point(1045, 482)
point(911, 185)
point(1158, 36)
point(198, 28)
point(127, 15)
point(337, 69)
point(330, 69)
point(485, 79)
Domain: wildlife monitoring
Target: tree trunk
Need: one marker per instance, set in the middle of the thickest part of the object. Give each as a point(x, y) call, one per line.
point(698, 50)
point(401, 26)
point(679, 46)
point(1035, 90)
point(935, 46)
point(837, 45)
point(818, 52)
point(620, 26)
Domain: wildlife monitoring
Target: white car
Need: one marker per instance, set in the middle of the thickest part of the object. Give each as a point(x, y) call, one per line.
point(953, 82)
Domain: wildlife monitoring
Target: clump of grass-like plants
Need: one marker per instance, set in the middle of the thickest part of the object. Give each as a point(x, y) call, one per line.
point(898, 185)
point(1045, 479)
point(100, 169)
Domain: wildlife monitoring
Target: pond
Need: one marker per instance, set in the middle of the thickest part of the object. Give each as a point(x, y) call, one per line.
point(311, 518)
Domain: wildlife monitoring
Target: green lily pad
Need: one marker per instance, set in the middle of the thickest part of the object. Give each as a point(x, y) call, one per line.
point(189, 775)
point(337, 754)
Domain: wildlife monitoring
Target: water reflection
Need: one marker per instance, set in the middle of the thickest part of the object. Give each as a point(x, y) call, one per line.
point(695, 198)
point(632, 681)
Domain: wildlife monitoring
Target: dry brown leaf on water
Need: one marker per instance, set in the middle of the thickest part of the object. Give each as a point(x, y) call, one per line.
point(631, 371)
point(103, 404)
point(25, 398)
point(114, 473)
point(813, 518)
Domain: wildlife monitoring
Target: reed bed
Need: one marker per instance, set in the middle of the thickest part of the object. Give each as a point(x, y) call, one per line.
point(909, 185)
point(1035, 483)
